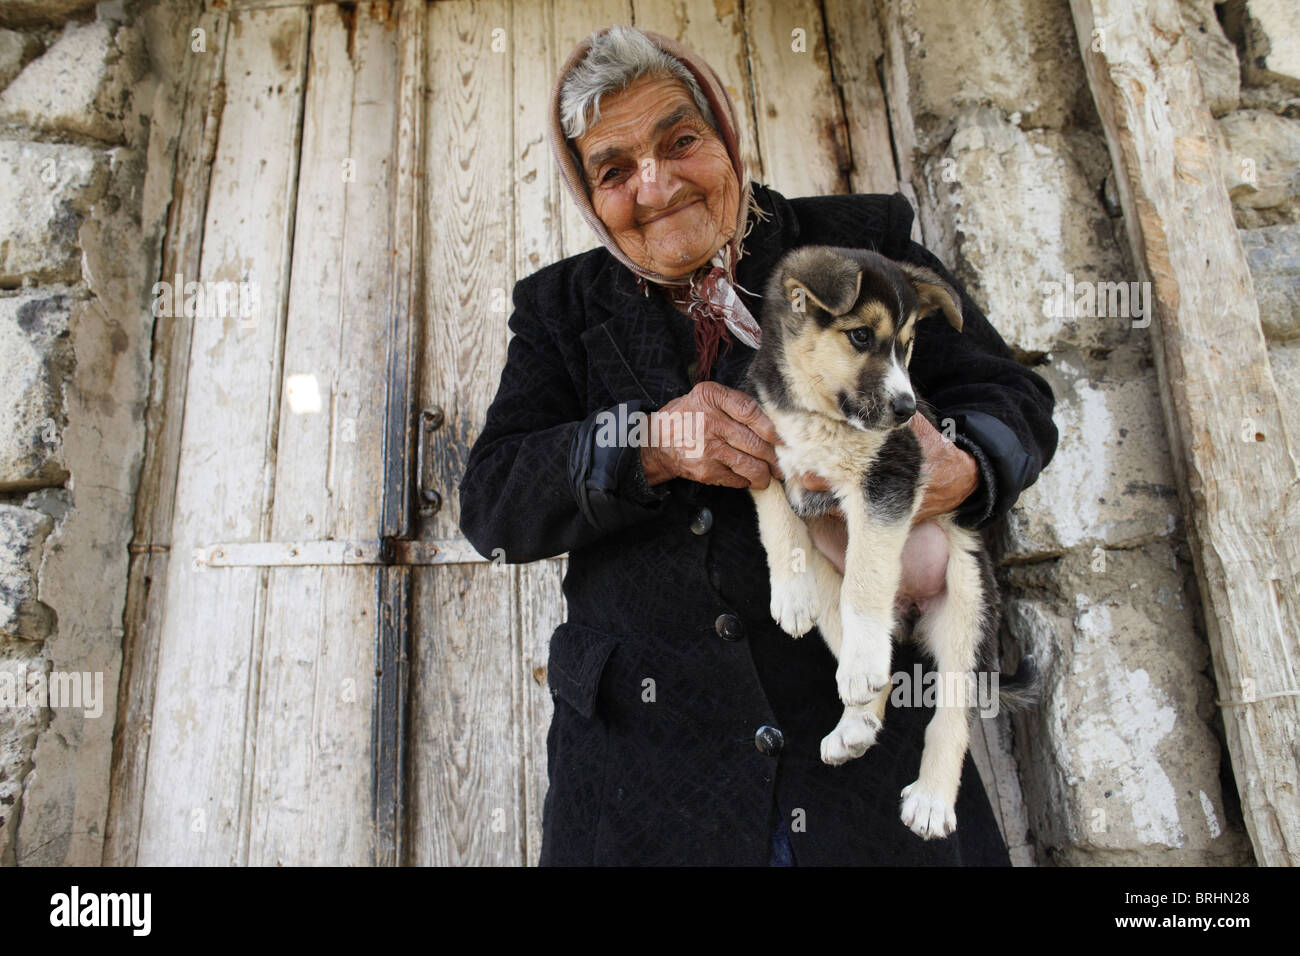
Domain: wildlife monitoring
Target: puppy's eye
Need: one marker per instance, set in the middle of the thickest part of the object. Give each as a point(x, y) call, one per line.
point(860, 337)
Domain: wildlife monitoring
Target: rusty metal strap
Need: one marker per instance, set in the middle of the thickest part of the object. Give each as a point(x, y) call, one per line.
point(381, 551)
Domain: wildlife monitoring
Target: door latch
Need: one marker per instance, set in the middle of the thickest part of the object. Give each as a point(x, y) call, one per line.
point(431, 420)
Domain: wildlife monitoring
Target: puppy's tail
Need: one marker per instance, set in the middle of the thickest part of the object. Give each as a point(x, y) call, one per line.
point(1022, 690)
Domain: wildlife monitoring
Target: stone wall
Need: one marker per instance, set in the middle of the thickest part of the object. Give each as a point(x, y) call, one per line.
point(1261, 163)
point(1124, 761)
point(86, 103)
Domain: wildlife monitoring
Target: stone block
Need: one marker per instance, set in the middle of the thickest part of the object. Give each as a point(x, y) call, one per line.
point(1273, 253)
point(1020, 56)
point(1111, 482)
point(1119, 763)
point(22, 541)
point(16, 51)
point(1272, 33)
point(72, 89)
point(20, 723)
point(37, 359)
point(48, 188)
point(1020, 214)
point(1261, 159)
point(27, 13)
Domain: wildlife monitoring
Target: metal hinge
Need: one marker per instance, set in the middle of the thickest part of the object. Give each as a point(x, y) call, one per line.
point(429, 498)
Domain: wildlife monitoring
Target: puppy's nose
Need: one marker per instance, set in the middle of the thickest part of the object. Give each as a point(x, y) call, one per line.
point(903, 407)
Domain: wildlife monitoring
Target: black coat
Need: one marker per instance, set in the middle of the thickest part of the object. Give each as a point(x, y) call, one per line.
point(669, 662)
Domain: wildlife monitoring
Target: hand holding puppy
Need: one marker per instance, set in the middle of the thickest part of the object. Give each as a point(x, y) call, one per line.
point(732, 443)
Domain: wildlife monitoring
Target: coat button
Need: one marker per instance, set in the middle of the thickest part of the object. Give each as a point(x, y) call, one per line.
point(729, 627)
point(769, 740)
point(702, 521)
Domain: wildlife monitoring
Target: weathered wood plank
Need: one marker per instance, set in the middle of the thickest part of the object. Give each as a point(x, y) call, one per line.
point(466, 800)
point(311, 790)
point(899, 102)
point(195, 805)
point(1234, 461)
point(991, 745)
point(541, 610)
point(151, 560)
point(801, 130)
point(857, 52)
point(538, 199)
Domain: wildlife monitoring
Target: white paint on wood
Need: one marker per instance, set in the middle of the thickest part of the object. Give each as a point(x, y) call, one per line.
point(898, 98)
point(801, 130)
point(857, 53)
point(466, 761)
point(195, 802)
point(311, 800)
point(205, 98)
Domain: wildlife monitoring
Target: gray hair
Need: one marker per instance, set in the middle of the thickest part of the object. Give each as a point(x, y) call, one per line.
point(615, 60)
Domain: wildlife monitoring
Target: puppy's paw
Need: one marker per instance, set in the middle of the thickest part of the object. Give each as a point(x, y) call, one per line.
point(859, 678)
point(926, 813)
point(853, 736)
point(794, 603)
point(865, 655)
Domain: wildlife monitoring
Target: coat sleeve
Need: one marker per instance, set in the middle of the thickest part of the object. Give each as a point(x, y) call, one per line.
point(1001, 411)
point(541, 478)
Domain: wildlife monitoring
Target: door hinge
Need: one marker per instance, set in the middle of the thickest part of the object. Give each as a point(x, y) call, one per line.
point(429, 497)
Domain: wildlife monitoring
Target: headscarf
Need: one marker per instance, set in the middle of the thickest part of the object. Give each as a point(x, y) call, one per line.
point(708, 294)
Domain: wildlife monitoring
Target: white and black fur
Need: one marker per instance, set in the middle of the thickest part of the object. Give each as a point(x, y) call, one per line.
point(838, 329)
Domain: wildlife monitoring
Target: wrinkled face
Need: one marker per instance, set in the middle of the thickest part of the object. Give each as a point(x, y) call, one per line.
point(848, 322)
point(659, 177)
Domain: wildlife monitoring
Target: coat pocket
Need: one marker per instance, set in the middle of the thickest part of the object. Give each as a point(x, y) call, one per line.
point(575, 664)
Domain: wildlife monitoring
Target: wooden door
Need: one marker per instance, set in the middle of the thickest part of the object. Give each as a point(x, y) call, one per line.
point(250, 690)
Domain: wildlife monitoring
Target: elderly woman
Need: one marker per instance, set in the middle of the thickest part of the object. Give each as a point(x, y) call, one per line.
point(687, 725)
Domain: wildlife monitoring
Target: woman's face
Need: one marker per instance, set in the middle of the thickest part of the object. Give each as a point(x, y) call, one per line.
point(659, 177)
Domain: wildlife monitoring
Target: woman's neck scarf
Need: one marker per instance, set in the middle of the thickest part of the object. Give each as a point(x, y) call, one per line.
point(707, 295)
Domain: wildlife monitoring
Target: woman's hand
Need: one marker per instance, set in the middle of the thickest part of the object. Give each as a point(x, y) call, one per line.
point(719, 435)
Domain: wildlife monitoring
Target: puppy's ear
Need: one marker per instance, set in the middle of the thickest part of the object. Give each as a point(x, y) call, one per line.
point(934, 293)
point(832, 281)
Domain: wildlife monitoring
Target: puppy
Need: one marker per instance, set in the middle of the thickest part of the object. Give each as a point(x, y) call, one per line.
point(838, 329)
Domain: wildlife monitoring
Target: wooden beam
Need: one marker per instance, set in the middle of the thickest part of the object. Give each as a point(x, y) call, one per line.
point(857, 50)
point(201, 748)
point(156, 499)
point(1235, 465)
